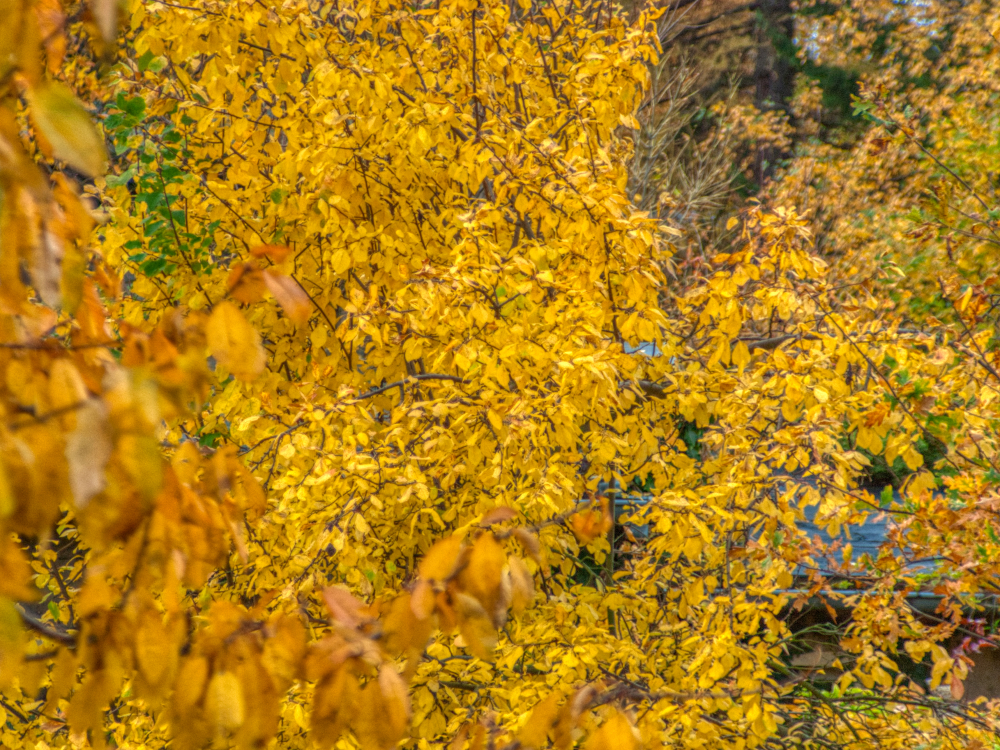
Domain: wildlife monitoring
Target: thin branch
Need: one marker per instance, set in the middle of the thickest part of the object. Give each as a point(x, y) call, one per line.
point(657, 390)
point(46, 629)
point(404, 381)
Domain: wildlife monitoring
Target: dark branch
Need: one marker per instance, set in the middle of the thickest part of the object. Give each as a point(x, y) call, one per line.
point(402, 383)
point(44, 628)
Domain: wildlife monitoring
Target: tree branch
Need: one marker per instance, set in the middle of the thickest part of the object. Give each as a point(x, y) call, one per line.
point(657, 390)
point(46, 629)
point(404, 381)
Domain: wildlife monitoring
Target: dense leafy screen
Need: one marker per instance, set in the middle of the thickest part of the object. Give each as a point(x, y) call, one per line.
point(381, 373)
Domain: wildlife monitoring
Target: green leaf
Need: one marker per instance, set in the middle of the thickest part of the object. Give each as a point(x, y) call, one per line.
point(144, 59)
point(886, 496)
point(68, 127)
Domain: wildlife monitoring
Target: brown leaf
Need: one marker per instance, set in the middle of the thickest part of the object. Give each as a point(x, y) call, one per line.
point(46, 266)
point(10, 31)
point(522, 585)
point(395, 703)
point(51, 25)
point(458, 741)
point(498, 515)
point(402, 630)
point(344, 607)
point(957, 688)
point(105, 13)
point(293, 300)
point(88, 449)
point(530, 543)
point(569, 717)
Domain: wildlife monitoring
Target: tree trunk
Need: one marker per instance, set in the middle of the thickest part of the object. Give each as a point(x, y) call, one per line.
point(774, 72)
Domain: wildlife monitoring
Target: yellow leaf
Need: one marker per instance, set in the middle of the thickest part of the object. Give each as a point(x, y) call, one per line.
point(336, 694)
point(143, 462)
point(66, 388)
point(224, 702)
point(441, 560)
point(912, 458)
point(741, 355)
point(16, 579)
point(395, 701)
point(522, 584)
point(475, 626)
point(68, 127)
point(234, 343)
point(341, 262)
point(190, 684)
point(154, 651)
point(495, 421)
point(8, 501)
point(629, 121)
point(483, 574)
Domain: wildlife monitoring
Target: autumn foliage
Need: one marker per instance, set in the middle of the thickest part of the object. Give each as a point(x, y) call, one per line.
point(365, 384)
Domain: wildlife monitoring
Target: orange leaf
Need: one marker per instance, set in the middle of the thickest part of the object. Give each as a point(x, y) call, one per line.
point(587, 525)
point(483, 575)
point(276, 253)
point(246, 283)
point(616, 733)
point(543, 719)
point(441, 560)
